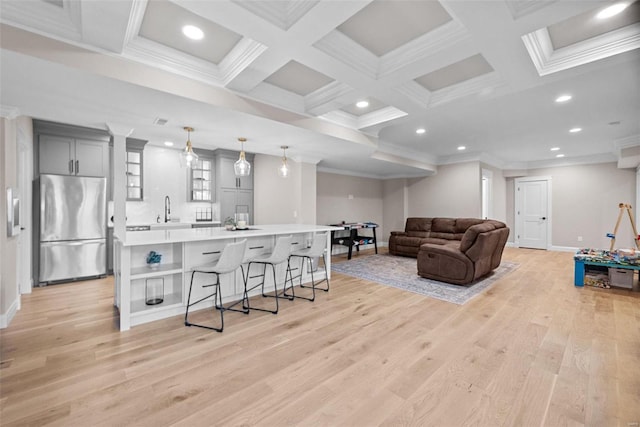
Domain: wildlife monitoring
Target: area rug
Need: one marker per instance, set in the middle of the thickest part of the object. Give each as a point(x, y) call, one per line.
point(402, 273)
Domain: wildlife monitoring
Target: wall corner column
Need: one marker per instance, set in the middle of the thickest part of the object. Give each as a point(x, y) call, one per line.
point(118, 172)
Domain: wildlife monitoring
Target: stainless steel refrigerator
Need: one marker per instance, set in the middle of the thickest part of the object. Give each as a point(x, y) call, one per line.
point(73, 227)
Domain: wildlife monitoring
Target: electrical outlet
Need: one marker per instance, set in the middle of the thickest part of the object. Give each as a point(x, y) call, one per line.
point(579, 238)
point(350, 197)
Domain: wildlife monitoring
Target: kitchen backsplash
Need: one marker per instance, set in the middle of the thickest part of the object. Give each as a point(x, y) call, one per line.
point(147, 213)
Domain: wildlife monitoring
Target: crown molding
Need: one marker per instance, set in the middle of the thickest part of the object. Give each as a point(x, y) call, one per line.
point(371, 119)
point(325, 95)
point(165, 58)
point(629, 141)
point(278, 97)
point(282, 16)
point(135, 20)
point(549, 61)
point(44, 18)
point(379, 116)
point(399, 160)
point(341, 118)
point(444, 37)
point(520, 8)
point(240, 58)
point(489, 81)
point(415, 92)
point(342, 48)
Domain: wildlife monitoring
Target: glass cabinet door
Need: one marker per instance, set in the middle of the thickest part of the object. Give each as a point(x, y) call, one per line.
point(134, 175)
point(201, 180)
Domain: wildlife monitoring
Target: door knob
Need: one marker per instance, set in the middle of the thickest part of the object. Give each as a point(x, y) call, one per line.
point(543, 218)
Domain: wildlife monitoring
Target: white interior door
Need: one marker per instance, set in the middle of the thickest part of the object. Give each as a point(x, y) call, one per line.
point(532, 213)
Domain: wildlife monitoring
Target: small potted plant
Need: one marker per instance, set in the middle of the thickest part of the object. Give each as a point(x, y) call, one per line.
point(153, 259)
point(229, 224)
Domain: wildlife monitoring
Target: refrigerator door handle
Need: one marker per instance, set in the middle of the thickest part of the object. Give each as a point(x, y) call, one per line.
point(71, 242)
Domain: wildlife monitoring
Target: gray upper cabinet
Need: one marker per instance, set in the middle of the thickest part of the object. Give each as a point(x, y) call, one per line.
point(234, 194)
point(71, 150)
point(71, 156)
point(227, 174)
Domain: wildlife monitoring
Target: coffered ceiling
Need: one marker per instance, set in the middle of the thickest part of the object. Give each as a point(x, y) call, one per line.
point(479, 74)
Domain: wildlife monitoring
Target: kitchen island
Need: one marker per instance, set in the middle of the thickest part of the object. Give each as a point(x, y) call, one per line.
point(184, 249)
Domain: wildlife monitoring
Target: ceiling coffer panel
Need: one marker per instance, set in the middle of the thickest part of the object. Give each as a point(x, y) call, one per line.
point(163, 22)
point(474, 66)
point(298, 78)
point(402, 22)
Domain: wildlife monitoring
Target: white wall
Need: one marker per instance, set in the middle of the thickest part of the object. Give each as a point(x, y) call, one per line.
point(585, 202)
point(395, 205)
point(9, 288)
point(278, 200)
point(335, 206)
point(498, 193)
point(454, 191)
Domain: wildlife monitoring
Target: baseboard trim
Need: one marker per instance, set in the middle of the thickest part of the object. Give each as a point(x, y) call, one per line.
point(550, 248)
point(6, 318)
point(563, 248)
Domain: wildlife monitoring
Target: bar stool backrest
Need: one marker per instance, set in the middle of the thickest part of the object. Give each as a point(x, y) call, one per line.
point(318, 246)
point(231, 257)
point(281, 250)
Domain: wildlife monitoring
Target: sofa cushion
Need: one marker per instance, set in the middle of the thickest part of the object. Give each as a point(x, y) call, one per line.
point(443, 225)
point(463, 224)
point(418, 225)
point(434, 241)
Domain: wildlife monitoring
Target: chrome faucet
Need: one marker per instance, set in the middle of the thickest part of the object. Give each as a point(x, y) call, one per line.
point(167, 208)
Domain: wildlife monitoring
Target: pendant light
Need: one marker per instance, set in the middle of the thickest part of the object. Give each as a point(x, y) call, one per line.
point(187, 156)
point(242, 167)
point(283, 170)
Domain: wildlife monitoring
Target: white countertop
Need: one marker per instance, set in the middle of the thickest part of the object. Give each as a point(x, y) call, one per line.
point(170, 224)
point(152, 237)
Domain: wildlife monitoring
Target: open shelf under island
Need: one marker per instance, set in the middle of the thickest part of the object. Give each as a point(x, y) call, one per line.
point(184, 249)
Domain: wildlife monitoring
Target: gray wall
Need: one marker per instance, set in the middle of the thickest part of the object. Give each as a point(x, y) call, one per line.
point(585, 203)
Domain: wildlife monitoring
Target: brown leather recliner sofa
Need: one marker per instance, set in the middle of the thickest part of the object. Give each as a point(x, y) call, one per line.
point(452, 250)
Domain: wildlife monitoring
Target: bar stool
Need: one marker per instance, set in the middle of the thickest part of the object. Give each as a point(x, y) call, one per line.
point(279, 255)
point(229, 261)
point(316, 250)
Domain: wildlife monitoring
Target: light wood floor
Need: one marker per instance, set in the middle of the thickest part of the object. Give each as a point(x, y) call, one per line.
point(532, 350)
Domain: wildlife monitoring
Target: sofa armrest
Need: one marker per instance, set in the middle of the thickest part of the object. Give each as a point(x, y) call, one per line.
point(398, 233)
point(444, 250)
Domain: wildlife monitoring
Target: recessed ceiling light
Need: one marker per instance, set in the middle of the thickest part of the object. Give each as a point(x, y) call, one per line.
point(168, 143)
point(612, 10)
point(362, 104)
point(420, 131)
point(559, 155)
point(563, 98)
point(575, 130)
point(555, 149)
point(193, 32)
point(461, 148)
